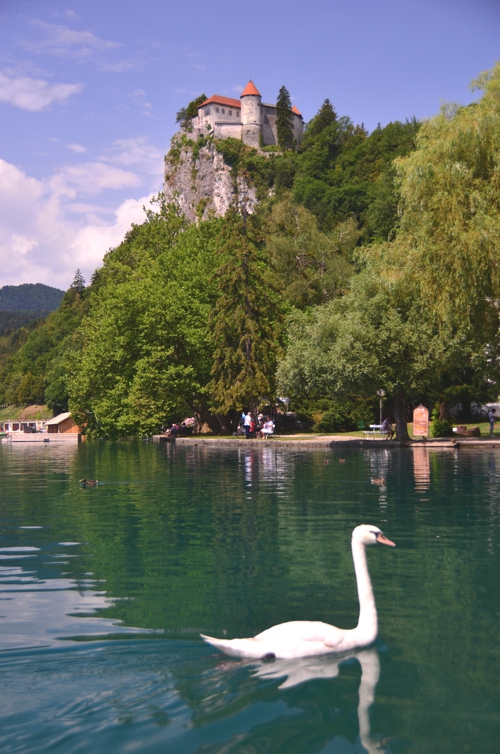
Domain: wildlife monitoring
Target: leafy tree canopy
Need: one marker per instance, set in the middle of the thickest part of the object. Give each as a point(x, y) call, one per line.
point(146, 355)
point(185, 114)
point(424, 308)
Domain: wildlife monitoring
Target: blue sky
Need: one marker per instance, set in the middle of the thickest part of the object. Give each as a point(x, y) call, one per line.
point(89, 92)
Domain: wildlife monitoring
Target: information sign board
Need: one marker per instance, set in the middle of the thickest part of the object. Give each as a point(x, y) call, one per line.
point(421, 421)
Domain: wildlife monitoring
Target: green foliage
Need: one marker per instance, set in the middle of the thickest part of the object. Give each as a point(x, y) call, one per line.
point(325, 117)
point(423, 309)
point(284, 120)
point(246, 320)
point(440, 427)
point(345, 415)
point(342, 172)
point(29, 297)
point(78, 284)
point(12, 321)
point(146, 341)
point(28, 372)
point(185, 114)
point(313, 267)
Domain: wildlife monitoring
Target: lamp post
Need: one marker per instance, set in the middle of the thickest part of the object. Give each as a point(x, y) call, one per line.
point(380, 394)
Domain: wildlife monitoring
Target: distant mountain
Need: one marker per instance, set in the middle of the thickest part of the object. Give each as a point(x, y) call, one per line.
point(30, 297)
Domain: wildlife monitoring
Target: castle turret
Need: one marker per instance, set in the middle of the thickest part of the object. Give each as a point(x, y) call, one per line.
point(251, 117)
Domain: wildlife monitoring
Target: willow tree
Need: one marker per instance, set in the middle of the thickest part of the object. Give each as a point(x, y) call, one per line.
point(247, 320)
point(427, 302)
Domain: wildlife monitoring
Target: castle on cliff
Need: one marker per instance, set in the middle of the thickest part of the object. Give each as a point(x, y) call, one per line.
point(247, 119)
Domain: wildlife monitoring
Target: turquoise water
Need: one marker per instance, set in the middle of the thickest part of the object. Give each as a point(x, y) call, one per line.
point(104, 591)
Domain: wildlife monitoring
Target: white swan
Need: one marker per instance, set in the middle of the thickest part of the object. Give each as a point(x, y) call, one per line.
point(306, 638)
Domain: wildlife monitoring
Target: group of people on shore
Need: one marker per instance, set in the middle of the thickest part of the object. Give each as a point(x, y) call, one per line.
point(262, 429)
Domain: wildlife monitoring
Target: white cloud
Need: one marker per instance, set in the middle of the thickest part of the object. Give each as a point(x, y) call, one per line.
point(77, 148)
point(44, 239)
point(92, 242)
point(89, 209)
point(71, 14)
point(91, 178)
point(120, 66)
point(136, 153)
point(238, 88)
point(139, 98)
point(64, 42)
point(33, 94)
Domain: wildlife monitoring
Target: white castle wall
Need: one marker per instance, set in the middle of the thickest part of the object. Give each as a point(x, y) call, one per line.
point(269, 135)
point(228, 130)
point(256, 119)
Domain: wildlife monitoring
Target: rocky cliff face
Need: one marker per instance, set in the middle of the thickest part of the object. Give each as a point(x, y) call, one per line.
point(202, 183)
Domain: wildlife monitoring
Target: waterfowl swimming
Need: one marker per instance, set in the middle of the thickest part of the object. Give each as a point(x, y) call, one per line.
point(307, 638)
point(379, 481)
point(89, 482)
point(341, 460)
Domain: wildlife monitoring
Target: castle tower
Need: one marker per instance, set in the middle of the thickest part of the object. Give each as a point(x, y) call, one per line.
point(251, 117)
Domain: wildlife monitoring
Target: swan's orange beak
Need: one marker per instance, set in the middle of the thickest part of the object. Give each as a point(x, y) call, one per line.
point(382, 540)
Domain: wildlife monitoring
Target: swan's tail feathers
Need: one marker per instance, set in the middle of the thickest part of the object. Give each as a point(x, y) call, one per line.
point(236, 647)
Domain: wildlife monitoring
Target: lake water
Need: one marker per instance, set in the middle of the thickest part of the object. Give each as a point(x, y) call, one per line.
point(104, 592)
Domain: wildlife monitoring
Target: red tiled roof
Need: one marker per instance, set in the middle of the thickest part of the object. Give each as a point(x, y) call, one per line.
point(250, 89)
point(217, 100)
point(296, 111)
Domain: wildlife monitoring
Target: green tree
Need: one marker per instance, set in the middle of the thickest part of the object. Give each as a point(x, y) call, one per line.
point(185, 114)
point(425, 304)
point(325, 117)
point(313, 267)
point(145, 359)
point(247, 318)
point(375, 337)
point(78, 283)
point(284, 120)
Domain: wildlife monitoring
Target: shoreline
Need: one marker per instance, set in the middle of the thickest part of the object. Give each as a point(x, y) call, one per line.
point(334, 441)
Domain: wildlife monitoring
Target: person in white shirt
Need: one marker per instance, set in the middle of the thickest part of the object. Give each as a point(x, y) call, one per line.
point(268, 428)
point(246, 423)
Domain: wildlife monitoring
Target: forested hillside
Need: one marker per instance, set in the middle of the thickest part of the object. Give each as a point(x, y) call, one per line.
point(29, 297)
point(371, 261)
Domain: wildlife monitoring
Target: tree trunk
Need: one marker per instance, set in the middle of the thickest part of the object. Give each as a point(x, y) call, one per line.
point(444, 412)
point(400, 416)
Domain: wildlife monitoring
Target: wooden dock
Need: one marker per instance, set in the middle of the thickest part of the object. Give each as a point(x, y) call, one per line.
point(40, 438)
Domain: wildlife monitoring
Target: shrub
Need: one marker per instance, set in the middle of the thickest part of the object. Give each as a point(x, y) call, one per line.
point(441, 428)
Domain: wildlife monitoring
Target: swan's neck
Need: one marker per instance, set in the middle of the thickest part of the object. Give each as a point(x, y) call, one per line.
point(367, 624)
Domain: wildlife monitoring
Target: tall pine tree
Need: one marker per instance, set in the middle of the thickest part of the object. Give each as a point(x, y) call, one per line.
point(326, 116)
point(247, 321)
point(284, 120)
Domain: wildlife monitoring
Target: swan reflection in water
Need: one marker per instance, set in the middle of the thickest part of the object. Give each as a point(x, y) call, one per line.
point(305, 669)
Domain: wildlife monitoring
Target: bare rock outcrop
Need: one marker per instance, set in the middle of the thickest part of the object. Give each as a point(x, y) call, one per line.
point(202, 183)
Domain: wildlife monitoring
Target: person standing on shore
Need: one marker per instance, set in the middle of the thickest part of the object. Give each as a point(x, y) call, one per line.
point(491, 419)
point(247, 424)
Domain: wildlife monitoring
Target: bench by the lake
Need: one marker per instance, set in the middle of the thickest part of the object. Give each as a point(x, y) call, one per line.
point(374, 431)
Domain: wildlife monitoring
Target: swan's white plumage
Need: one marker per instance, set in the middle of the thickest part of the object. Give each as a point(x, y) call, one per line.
point(308, 638)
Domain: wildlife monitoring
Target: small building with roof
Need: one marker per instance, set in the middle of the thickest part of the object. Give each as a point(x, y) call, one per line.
point(62, 424)
point(248, 119)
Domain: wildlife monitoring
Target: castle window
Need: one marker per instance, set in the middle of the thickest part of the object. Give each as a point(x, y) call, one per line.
point(216, 109)
point(230, 112)
point(223, 111)
point(207, 112)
